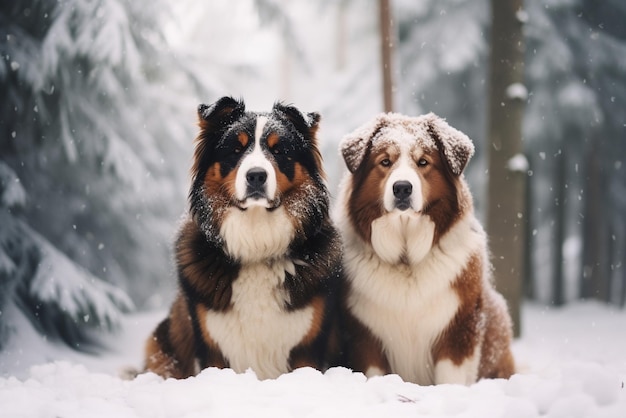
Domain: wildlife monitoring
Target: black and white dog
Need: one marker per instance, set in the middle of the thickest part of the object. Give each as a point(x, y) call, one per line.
point(257, 258)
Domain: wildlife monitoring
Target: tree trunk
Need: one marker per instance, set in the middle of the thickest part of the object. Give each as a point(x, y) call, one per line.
point(623, 267)
point(594, 281)
point(505, 209)
point(528, 280)
point(559, 229)
point(386, 42)
point(341, 37)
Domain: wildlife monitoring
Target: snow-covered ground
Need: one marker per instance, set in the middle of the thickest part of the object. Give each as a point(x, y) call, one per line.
point(572, 361)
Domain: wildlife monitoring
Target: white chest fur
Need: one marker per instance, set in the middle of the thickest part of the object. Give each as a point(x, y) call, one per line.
point(408, 306)
point(258, 333)
point(256, 234)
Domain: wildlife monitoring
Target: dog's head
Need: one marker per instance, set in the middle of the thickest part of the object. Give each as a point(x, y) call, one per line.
point(253, 161)
point(411, 165)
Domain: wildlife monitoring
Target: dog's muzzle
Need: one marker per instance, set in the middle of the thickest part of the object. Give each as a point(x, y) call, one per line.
point(256, 179)
point(402, 191)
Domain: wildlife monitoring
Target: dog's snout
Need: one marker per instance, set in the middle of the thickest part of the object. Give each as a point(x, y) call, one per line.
point(256, 178)
point(402, 189)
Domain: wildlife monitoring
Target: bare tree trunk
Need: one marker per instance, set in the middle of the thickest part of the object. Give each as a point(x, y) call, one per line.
point(505, 210)
point(622, 259)
point(386, 42)
point(559, 230)
point(595, 282)
point(528, 280)
point(341, 44)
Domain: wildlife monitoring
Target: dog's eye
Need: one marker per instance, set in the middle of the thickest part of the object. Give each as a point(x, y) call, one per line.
point(276, 151)
point(422, 162)
point(238, 149)
point(386, 162)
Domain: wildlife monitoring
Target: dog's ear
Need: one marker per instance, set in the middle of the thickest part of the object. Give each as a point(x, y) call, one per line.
point(307, 124)
point(215, 117)
point(213, 120)
point(354, 146)
point(455, 147)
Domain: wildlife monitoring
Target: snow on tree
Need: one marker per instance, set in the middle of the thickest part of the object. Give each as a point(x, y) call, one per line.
point(96, 122)
point(61, 298)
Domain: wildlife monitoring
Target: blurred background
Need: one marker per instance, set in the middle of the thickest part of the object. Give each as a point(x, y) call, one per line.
point(98, 115)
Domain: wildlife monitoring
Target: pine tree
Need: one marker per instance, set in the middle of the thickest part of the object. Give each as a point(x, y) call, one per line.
point(95, 135)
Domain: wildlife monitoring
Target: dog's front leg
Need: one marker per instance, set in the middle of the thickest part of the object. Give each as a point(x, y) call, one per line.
point(457, 354)
point(463, 373)
point(364, 352)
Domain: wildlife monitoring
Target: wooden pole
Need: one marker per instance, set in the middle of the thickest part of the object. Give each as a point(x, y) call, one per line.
point(387, 43)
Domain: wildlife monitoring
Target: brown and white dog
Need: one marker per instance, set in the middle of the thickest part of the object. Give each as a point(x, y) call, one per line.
point(419, 301)
point(257, 258)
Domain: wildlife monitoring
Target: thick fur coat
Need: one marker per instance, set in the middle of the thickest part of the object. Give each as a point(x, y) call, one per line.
point(419, 299)
point(258, 259)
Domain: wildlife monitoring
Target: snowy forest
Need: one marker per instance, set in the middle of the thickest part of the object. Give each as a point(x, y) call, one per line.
point(97, 119)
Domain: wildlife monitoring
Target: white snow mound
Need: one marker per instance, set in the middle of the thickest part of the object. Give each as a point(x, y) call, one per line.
point(572, 363)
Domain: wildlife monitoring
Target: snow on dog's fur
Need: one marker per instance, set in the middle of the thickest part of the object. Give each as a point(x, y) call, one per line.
point(257, 257)
point(418, 301)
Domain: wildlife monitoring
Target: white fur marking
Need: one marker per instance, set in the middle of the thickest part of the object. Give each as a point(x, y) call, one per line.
point(404, 170)
point(258, 333)
point(256, 159)
point(256, 233)
point(464, 374)
point(373, 371)
point(402, 237)
point(261, 121)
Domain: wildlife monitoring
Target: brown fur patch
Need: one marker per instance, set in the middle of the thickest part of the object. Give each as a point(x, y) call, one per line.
point(496, 357)
point(480, 323)
point(243, 139)
point(158, 361)
point(439, 192)
point(366, 196)
point(285, 185)
point(463, 335)
point(218, 187)
point(213, 178)
point(227, 186)
point(272, 139)
point(170, 349)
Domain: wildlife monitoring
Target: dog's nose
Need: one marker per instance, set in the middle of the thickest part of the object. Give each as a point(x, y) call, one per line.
point(402, 189)
point(256, 178)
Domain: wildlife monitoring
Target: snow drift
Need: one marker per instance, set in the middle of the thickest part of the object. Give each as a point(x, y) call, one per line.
point(572, 359)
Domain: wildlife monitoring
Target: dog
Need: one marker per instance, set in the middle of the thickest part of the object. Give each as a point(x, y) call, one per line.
point(418, 298)
point(258, 258)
